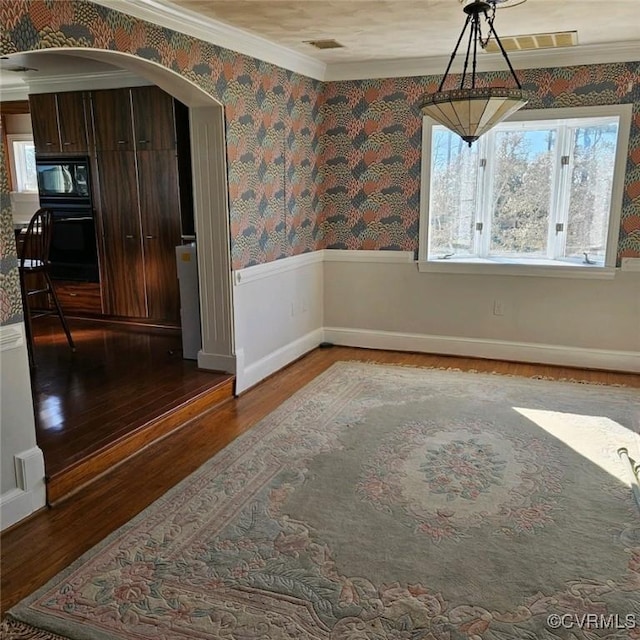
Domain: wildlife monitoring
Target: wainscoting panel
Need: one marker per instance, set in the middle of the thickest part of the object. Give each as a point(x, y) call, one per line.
point(278, 315)
point(386, 304)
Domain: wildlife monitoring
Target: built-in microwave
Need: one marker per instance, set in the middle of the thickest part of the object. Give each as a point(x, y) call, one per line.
point(64, 181)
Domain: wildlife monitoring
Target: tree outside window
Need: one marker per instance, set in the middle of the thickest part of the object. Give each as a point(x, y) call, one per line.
point(527, 190)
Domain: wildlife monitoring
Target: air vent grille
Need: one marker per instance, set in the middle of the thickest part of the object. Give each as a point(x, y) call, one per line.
point(534, 41)
point(325, 44)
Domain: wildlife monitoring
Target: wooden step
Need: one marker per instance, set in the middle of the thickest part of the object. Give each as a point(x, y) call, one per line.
point(66, 482)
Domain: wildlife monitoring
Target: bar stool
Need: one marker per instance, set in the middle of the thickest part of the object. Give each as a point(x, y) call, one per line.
point(34, 261)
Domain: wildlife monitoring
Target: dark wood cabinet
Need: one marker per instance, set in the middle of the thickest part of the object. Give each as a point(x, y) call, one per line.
point(59, 122)
point(44, 122)
point(160, 222)
point(111, 116)
point(79, 298)
point(153, 118)
point(123, 265)
point(138, 118)
point(141, 204)
point(138, 143)
point(72, 122)
point(140, 224)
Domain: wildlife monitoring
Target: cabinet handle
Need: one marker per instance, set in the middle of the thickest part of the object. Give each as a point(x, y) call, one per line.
point(150, 237)
point(49, 144)
point(72, 295)
point(68, 143)
point(129, 237)
point(143, 141)
point(122, 142)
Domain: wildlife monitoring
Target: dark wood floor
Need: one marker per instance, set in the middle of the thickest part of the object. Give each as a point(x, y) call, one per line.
point(120, 377)
point(34, 551)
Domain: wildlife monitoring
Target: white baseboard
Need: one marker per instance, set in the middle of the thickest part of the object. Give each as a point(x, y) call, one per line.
point(30, 494)
point(251, 375)
point(216, 362)
point(483, 348)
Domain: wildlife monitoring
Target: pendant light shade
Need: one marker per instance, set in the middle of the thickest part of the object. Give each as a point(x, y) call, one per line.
point(471, 111)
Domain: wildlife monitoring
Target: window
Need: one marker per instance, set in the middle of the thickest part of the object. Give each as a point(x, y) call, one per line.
point(542, 189)
point(22, 156)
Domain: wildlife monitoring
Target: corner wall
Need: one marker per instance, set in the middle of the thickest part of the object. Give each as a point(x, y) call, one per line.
point(389, 304)
point(380, 300)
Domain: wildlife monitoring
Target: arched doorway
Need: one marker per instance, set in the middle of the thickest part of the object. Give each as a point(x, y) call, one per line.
point(209, 196)
point(209, 185)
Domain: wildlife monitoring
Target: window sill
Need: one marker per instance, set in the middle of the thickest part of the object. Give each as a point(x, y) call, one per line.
point(24, 195)
point(486, 267)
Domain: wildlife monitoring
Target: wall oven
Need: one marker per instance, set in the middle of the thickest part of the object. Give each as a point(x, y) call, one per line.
point(64, 186)
point(64, 183)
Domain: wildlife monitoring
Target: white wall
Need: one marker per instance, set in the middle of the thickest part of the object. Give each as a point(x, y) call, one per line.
point(277, 315)
point(580, 322)
point(23, 206)
point(380, 300)
point(22, 488)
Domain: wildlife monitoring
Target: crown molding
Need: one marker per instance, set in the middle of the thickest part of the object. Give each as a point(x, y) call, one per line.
point(14, 90)
point(223, 35)
point(85, 81)
point(540, 59)
point(20, 89)
point(209, 30)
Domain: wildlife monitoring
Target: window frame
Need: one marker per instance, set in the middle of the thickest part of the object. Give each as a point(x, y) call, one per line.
point(11, 138)
point(533, 267)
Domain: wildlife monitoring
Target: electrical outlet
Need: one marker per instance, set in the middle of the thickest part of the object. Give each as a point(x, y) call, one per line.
point(498, 308)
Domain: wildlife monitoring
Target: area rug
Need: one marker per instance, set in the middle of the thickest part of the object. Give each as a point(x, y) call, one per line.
point(382, 503)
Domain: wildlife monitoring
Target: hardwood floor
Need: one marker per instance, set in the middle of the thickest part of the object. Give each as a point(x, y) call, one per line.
point(34, 551)
point(120, 377)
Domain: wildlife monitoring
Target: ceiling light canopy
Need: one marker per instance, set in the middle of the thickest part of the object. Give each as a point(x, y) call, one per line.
point(468, 110)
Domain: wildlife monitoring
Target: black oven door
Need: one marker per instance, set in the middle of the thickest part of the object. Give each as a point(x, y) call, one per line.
point(74, 251)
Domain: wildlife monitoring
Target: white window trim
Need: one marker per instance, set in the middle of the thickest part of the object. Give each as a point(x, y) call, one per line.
point(517, 268)
point(11, 138)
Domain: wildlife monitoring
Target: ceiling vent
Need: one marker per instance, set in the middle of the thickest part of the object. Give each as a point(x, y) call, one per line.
point(534, 41)
point(324, 44)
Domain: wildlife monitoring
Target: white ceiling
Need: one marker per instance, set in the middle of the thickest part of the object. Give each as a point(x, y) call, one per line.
point(392, 29)
point(381, 38)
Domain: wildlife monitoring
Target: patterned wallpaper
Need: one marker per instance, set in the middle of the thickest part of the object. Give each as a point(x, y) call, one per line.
point(272, 115)
point(10, 300)
point(311, 165)
point(371, 150)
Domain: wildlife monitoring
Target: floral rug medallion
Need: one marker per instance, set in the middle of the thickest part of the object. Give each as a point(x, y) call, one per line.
point(455, 479)
point(381, 503)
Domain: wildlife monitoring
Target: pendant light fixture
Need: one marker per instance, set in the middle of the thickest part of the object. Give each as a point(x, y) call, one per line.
point(468, 110)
